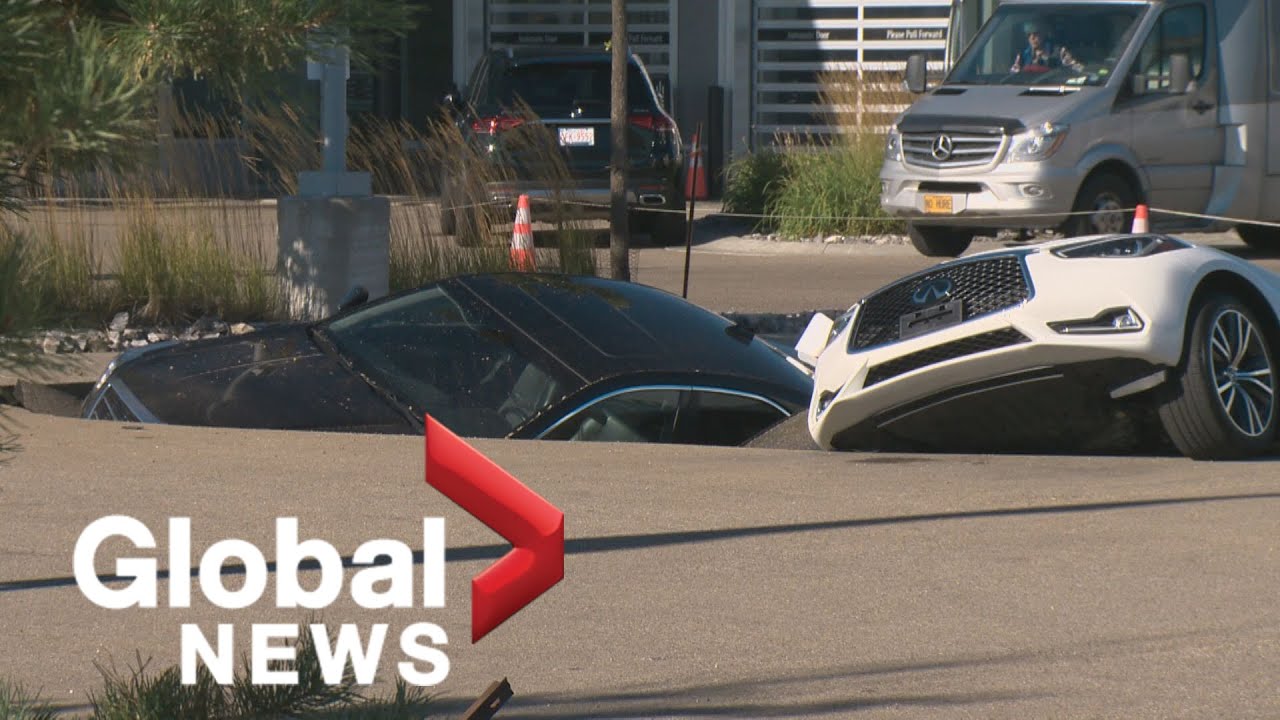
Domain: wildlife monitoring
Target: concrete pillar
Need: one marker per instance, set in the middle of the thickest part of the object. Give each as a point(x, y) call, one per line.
point(328, 245)
point(334, 234)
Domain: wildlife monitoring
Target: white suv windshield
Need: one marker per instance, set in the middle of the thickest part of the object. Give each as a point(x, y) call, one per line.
point(1068, 44)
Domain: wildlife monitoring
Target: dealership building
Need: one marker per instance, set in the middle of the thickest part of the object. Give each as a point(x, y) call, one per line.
point(748, 69)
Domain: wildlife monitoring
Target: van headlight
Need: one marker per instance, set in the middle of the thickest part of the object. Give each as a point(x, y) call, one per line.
point(1038, 144)
point(893, 145)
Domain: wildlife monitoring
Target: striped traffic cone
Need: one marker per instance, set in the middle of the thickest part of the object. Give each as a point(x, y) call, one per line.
point(695, 181)
point(522, 255)
point(1140, 224)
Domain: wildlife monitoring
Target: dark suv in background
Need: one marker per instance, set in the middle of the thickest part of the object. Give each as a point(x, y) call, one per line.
point(568, 91)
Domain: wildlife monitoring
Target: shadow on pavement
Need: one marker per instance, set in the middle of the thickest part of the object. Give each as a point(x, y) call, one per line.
point(726, 698)
point(639, 541)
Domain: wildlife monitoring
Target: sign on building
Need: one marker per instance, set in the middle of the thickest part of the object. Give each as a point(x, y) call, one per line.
point(798, 43)
point(586, 23)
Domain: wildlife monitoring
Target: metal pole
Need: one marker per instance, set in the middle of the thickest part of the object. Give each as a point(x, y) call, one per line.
point(333, 109)
point(693, 202)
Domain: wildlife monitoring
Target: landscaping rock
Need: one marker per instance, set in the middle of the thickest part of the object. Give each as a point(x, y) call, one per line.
point(118, 339)
point(203, 325)
point(97, 341)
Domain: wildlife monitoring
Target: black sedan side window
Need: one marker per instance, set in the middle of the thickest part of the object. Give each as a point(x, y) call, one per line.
point(721, 418)
point(628, 416)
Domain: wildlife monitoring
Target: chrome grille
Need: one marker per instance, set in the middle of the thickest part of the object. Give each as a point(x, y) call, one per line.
point(984, 286)
point(965, 149)
point(941, 353)
point(109, 406)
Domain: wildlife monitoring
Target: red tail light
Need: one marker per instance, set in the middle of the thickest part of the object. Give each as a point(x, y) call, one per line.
point(495, 125)
point(657, 123)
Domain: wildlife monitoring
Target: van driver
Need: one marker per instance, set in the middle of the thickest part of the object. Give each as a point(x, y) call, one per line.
point(1040, 54)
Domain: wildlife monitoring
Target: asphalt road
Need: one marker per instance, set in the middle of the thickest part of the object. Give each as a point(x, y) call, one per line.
point(730, 272)
point(705, 582)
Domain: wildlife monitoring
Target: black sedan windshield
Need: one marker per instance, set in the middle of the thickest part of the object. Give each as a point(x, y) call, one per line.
point(437, 355)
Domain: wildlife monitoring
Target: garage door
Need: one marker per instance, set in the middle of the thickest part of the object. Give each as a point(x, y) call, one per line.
point(796, 41)
point(586, 23)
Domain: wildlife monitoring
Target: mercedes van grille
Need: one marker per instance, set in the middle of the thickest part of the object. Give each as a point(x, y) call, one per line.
point(983, 286)
point(963, 347)
point(950, 150)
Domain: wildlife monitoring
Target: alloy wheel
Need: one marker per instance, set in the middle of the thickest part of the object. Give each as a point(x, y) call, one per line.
point(1241, 370)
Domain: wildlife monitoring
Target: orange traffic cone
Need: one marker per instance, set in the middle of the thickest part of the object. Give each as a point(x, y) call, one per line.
point(1140, 224)
point(522, 255)
point(695, 182)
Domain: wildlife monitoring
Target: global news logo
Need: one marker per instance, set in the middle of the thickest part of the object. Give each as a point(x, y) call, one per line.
point(384, 578)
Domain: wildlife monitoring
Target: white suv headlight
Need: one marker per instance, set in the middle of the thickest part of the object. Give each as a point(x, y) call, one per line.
point(1038, 144)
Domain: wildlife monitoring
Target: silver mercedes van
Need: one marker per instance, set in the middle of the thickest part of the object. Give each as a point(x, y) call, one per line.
point(1063, 115)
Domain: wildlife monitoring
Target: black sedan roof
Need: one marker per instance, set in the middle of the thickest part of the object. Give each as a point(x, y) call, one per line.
point(602, 328)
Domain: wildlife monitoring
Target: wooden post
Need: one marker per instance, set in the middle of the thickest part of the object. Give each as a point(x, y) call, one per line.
point(489, 703)
point(619, 230)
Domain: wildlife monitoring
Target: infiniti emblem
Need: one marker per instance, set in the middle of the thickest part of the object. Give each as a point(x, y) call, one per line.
point(932, 291)
point(942, 147)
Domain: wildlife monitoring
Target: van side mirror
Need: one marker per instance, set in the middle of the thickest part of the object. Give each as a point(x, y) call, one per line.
point(1179, 73)
point(917, 80)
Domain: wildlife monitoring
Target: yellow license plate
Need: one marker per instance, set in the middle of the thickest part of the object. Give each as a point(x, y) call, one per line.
point(938, 204)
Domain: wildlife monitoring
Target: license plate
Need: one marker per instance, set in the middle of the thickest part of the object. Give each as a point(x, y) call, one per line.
point(577, 137)
point(938, 204)
point(930, 319)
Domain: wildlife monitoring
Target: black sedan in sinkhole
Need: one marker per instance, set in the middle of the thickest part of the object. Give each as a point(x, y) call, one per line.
point(519, 355)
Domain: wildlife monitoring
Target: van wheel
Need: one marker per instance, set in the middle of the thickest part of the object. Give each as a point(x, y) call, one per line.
point(1105, 201)
point(665, 229)
point(933, 241)
point(1221, 404)
point(1260, 237)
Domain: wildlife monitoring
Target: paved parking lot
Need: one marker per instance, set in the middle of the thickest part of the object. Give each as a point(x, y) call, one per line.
point(706, 582)
point(712, 582)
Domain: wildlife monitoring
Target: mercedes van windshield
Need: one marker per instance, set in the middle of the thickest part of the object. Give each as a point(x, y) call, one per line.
point(1049, 44)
